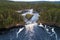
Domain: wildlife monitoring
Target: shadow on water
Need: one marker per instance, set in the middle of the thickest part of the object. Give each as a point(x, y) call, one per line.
point(57, 29)
point(6, 30)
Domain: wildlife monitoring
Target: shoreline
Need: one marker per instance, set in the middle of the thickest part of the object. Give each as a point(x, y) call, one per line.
point(5, 30)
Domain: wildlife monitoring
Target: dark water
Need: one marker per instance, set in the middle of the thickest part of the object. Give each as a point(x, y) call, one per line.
point(57, 29)
point(38, 34)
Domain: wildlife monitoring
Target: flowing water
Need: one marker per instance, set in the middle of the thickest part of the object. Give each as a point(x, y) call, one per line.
point(32, 31)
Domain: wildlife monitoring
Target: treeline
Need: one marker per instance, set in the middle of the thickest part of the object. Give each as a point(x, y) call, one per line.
point(50, 17)
point(50, 13)
point(8, 15)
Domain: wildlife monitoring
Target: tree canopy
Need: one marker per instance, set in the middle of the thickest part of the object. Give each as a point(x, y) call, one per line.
point(50, 13)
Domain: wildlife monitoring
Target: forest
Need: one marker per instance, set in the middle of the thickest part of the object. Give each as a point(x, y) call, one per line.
point(49, 13)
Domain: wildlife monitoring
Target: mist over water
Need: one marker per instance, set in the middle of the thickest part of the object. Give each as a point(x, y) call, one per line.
point(31, 31)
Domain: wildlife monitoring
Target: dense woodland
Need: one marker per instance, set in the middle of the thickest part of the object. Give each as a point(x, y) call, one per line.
point(49, 13)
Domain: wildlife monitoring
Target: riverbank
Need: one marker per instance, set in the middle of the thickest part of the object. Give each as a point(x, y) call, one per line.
point(51, 24)
point(6, 30)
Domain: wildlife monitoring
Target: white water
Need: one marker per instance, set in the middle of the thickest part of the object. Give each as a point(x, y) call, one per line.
point(32, 23)
point(19, 31)
point(30, 27)
point(51, 31)
point(41, 25)
point(30, 30)
point(34, 18)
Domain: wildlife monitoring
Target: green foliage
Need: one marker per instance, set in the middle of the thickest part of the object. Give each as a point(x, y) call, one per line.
point(8, 17)
point(28, 16)
point(51, 16)
point(50, 13)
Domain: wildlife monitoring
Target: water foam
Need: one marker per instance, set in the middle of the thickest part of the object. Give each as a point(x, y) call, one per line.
point(51, 31)
point(19, 31)
point(30, 27)
point(32, 23)
point(30, 30)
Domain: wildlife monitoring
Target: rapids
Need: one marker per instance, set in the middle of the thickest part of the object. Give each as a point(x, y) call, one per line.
point(32, 31)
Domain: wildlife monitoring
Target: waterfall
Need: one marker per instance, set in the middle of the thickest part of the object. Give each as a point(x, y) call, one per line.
point(30, 24)
point(41, 25)
point(30, 30)
point(30, 27)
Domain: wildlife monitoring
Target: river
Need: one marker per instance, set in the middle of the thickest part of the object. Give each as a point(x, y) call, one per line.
point(32, 31)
